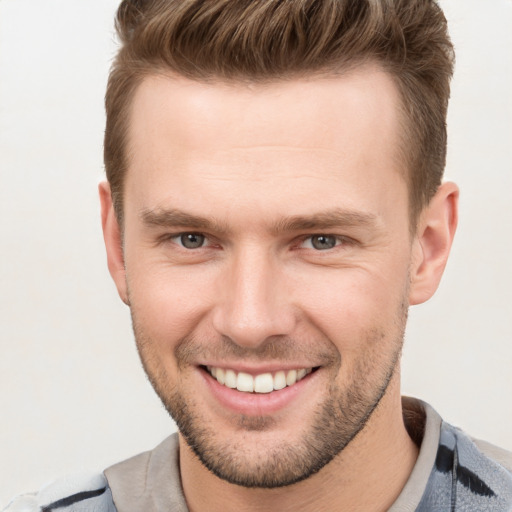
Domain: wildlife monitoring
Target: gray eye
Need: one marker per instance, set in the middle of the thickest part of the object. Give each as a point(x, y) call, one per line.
point(323, 242)
point(192, 240)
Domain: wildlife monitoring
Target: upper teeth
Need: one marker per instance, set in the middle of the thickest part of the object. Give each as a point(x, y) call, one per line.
point(262, 383)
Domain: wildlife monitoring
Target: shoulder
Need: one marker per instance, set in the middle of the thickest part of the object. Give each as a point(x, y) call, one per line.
point(495, 453)
point(149, 481)
point(480, 456)
point(453, 471)
point(474, 475)
point(74, 493)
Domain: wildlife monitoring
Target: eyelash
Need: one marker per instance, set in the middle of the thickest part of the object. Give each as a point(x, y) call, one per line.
point(175, 238)
point(207, 240)
point(338, 240)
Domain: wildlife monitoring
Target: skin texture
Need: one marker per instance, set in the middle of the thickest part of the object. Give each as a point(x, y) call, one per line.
point(259, 170)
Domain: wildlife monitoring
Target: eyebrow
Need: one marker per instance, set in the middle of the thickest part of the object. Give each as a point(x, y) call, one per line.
point(329, 219)
point(318, 221)
point(174, 218)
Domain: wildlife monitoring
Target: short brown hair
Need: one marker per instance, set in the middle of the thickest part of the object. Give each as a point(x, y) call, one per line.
point(264, 40)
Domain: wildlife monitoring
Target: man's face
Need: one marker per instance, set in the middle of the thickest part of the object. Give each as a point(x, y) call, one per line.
point(266, 236)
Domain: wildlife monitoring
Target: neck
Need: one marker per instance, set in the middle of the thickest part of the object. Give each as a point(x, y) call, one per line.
point(368, 474)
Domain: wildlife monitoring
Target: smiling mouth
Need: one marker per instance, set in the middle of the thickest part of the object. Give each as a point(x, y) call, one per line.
point(261, 383)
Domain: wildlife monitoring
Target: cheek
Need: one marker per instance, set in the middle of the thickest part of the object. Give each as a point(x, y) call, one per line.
point(169, 303)
point(354, 305)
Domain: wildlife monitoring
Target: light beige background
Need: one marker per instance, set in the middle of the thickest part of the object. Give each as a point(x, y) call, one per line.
point(72, 394)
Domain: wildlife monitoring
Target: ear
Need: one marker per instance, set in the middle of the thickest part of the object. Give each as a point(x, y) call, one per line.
point(433, 240)
point(113, 241)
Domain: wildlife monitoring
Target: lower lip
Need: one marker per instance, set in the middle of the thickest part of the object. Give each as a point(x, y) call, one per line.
point(256, 404)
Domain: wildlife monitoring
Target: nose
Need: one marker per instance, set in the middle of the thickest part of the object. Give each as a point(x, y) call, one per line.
point(254, 303)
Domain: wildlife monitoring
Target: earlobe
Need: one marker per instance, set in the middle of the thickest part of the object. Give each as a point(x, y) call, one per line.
point(113, 241)
point(433, 241)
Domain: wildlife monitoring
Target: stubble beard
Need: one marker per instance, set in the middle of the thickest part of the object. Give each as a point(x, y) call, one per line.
point(334, 424)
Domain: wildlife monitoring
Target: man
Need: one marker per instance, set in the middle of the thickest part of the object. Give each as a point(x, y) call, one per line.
point(274, 204)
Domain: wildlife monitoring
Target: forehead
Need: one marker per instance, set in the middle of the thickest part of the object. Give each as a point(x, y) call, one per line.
point(312, 110)
point(255, 141)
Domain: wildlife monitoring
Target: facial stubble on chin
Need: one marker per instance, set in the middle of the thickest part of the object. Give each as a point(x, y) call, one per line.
point(335, 422)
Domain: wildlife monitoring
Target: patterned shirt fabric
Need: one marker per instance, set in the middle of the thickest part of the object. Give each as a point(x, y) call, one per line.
point(463, 479)
point(75, 493)
point(453, 473)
